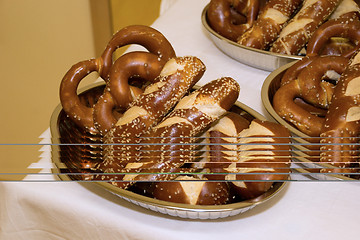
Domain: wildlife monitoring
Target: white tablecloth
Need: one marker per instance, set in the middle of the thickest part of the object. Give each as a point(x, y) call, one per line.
point(70, 210)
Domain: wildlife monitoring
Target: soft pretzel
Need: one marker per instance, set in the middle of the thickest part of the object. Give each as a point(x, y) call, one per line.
point(346, 9)
point(176, 79)
point(119, 93)
point(79, 112)
point(341, 128)
point(309, 86)
point(294, 36)
point(342, 27)
point(148, 37)
point(263, 158)
point(147, 65)
point(222, 144)
point(169, 145)
point(192, 190)
point(293, 72)
point(269, 23)
point(231, 18)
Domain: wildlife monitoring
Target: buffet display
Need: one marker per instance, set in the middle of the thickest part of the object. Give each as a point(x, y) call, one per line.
point(150, 130)
point(150, 135)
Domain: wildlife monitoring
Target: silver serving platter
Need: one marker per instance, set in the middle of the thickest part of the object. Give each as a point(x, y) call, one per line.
point(67, 157)
point(261, 59)
point(304, 153)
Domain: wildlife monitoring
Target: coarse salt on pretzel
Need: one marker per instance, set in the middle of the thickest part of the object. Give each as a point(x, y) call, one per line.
point(269, 23)
point(341, 129)
point(231, 18)
point(346, 9)
point(222, 140)
point(150, 63)
point(309, 86)
point(80, 113)
point(294, 36)
point(119, 93)
point(151, 39)
point(263, 158)
point(342, 27)
point(193, 190)
point(176, 79)
point(171, 144)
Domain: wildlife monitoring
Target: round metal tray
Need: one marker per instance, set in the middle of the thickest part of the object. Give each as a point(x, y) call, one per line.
point(261, 59)
point(303, 150)
point(64, 156)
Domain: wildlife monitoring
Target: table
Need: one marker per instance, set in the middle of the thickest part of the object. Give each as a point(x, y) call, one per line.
point(71, 210)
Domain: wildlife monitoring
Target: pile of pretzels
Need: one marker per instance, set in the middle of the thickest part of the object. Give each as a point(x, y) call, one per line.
point(163, 138)
point(291, 27)
point(319, 95)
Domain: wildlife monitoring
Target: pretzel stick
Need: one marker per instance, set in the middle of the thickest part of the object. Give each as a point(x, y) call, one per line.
point(176, 79)
point(269, 23)
point(175, 134)
point(294, 36)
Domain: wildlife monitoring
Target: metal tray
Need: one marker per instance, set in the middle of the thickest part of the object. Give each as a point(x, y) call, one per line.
point(303, 150)
point(67, 157)
point(261, 59)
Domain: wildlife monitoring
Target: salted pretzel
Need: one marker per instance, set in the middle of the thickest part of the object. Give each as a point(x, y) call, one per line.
point(342, 27)
point(231, 18)
point(263, 157)
point(168, 145)
point(222, 147)
point(176, 78)
point(269, 23)
point(293, 72)
point(309, 86)
point(192, 190)
point(148, 37)
point(346, 9)
point(341, 128)
point(119, 93)
point(294, 36)
point(143, 64)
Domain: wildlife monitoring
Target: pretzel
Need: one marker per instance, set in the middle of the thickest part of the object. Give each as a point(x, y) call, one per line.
point(293, 72)
point(343, 27)
point(80, 113)
point(341, 128)
point(231, 18)
point(263, 158)
point(310, 87)
point(176, 79)
point(269, 23)
point(148, 37)
point(163, 149)
point(346, 9)
point(222, 147)
point(192, 190)
point(294, 36)
point(146, 65)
